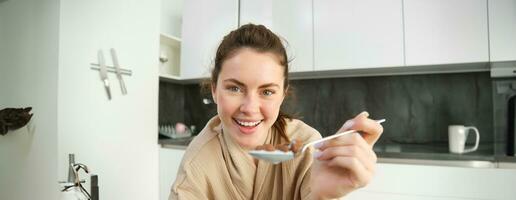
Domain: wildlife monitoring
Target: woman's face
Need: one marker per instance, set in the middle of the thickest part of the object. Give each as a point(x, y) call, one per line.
point(249, 92)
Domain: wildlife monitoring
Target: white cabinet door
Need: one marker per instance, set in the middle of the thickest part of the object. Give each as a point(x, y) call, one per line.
point(169, 161)
point(445, 32)
point(351, 34)
point(291, 20)
point(205, 23)
point(117, 139)
point(502, 30)
point(419, 182)
point(171, 17)
point(361, 195)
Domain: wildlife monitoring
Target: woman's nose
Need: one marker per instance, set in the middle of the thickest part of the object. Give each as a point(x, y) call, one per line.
point(250, 104)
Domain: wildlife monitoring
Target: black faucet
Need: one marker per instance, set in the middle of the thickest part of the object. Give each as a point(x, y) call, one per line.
point(94, 187)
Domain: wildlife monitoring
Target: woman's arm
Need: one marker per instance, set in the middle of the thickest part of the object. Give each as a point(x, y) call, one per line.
point(346, 163)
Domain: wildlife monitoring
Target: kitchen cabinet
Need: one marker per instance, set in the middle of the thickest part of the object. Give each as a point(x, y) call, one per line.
point(170, 39)
point(169, 161)
point(445, 32)
point(353, 34)
point(420, 182)
point(360, 195)
point(291, 20)
point(169, 57)
point(205, 23)
point(117, 138)
point(502, 30)
point(171, 17)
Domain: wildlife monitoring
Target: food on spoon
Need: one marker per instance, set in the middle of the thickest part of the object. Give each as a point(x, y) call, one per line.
point(283, 147)
point(269, 147)
point(295, 146)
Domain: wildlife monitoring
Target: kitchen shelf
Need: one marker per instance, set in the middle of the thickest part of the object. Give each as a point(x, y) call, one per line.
point(170, 40)
point(170, 78)
point(170, 55)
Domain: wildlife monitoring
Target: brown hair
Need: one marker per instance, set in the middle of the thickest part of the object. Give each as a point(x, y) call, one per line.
point(260, 39)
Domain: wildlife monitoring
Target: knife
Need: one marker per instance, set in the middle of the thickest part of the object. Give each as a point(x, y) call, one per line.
point(103, 73)
point(118, 71)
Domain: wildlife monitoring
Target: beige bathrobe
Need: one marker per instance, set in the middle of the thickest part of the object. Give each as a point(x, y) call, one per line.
point(215, 167)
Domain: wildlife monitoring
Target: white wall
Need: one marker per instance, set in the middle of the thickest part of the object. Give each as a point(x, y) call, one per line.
point(117, 138)
point(28, 77)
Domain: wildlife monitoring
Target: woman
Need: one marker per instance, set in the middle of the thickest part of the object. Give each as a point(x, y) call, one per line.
point(249, 83)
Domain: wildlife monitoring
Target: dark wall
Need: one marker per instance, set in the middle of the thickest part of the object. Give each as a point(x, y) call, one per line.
point(418, 108)
point(171, 103)
point(183, 103)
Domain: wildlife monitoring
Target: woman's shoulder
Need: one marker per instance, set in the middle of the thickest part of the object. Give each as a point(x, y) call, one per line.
point(300, 130)
point(206, 143)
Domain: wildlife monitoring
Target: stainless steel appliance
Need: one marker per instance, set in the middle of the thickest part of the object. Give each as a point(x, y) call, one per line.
point(504, 107)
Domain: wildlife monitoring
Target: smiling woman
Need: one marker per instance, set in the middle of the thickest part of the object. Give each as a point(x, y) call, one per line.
point(248, 94)
point(249, 83)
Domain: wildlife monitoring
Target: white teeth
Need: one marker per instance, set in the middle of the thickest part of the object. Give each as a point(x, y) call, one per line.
point(248, 123)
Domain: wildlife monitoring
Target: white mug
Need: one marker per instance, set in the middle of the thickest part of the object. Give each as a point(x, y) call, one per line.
point(457, 136)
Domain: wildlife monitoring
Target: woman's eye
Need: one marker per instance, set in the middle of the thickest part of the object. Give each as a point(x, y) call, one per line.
point(268, 92)
point(233, 89)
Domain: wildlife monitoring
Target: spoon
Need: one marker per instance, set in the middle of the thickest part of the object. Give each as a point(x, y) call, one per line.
point(278, 156)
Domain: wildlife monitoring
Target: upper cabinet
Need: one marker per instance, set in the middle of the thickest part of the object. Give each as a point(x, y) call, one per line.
point(205, 23)
point(502, 30)
point(169, 56)
point(171, 17)
point(170, 39)
point(446, 32)
point(327, 35)
point(291, 20)
point(352, 34)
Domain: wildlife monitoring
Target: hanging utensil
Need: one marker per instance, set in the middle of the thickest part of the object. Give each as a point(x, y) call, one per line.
point(103, 73)
point(118, 71)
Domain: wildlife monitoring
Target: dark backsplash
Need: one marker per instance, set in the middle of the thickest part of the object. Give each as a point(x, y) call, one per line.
point(171, 103)
point(183, 103)
point(418, 108)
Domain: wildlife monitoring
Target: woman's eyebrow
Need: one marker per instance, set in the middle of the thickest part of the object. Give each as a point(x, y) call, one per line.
point(269, 85)
point(232, 80)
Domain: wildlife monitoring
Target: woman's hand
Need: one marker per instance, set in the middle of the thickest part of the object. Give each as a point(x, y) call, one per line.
point(348, 162)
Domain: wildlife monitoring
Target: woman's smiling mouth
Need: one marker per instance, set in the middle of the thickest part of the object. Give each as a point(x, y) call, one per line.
point(247, 126)
point(247, 123)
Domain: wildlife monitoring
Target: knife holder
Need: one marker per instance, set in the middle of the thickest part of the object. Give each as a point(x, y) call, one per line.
point(105, 69)
point(111, 69)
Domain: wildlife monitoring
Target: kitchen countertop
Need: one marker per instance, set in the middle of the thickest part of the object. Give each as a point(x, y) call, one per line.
point(428, 154)
point(436, 156)
point(175, 143)
point(432, 151)
point(507, 159)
